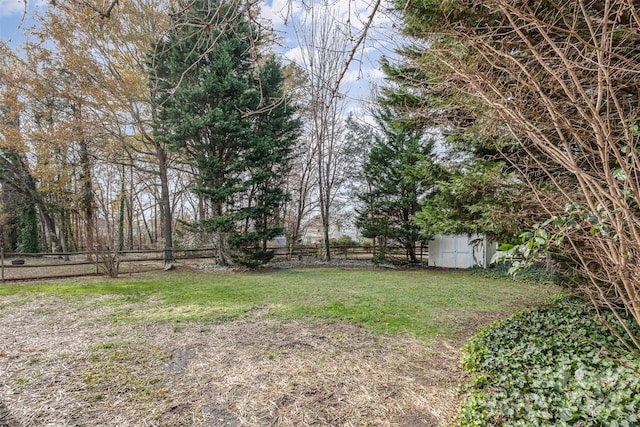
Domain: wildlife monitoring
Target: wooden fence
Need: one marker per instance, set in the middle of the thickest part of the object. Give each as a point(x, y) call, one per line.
point(22, 267)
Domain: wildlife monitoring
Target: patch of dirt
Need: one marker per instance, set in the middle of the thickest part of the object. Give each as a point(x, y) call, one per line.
point(69, 364)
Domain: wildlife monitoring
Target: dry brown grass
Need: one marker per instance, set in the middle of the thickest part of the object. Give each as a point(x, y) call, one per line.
point(67, 364)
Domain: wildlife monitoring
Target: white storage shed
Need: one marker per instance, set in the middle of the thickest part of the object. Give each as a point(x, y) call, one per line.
point(460, 251)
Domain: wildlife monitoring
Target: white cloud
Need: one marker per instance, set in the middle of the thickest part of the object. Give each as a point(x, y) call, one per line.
point(274, 12)
point(376, 74)
point(362, 114)
point(353, 76)
point(280, 12)
point(12, 7)
point(296, 55)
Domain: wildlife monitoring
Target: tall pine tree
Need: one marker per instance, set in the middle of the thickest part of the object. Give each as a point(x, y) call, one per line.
point(268, 159)
point(395, 187)
point(228, 119)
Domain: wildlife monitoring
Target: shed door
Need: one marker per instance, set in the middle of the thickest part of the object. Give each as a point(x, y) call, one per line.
point(451, 251)
point(456, 251)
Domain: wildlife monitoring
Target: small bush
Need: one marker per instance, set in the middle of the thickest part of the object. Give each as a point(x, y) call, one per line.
point(343, 240)
point(252, 257)
point(380, 255)
point(536, 273)
point(556, 366)
point(108, 256)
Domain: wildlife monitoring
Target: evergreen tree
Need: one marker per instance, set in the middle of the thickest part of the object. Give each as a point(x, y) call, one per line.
point(268, 160)
point(227, 119)
point(473, 199)
point(395, 189)
point(479, 193)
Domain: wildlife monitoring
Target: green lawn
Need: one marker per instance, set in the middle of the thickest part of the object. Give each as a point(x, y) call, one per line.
point(426, 303)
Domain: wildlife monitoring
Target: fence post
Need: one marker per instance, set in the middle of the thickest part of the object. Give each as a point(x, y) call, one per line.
point(2, 261)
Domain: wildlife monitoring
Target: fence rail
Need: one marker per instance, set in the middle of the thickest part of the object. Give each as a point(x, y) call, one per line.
point(22, 267)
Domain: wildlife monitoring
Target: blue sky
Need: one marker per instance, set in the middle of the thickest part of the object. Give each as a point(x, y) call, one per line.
point(15, 15)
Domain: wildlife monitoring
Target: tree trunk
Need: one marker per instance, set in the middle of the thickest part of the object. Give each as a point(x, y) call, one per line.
point(86, 191)
point(63, 236)
point(130, 210)
point(144, 222)
point(48, 221)
point(296, 220)
point(165, 204)
point(121, 220)
point(221, 257)
point(325, 233)
point(324, 196)
point(50, 226)
point(411, 251)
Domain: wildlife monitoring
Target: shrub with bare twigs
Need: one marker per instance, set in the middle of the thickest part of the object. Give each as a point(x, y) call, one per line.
point(561, 81)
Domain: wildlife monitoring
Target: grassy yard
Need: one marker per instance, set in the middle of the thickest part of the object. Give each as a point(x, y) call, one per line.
point(426, 304)
point(294, 347)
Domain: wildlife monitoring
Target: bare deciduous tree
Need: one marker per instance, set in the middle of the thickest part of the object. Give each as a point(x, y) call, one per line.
point(327, 48)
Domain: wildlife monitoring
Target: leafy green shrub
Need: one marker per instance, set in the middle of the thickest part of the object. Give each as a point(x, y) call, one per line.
point(380, 255)
point(343, 240)
point(252, 257)
point(536, 273)
point(556, 366)
point(246, 250)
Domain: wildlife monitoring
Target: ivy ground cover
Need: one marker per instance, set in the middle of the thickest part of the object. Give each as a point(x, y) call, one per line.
point(556, 366)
